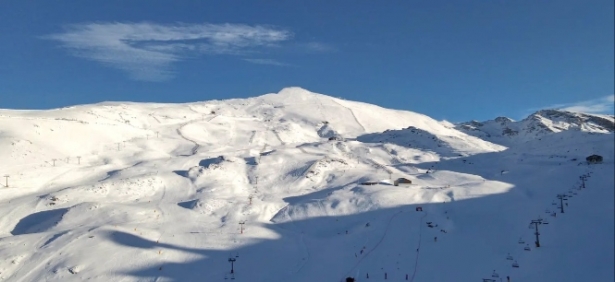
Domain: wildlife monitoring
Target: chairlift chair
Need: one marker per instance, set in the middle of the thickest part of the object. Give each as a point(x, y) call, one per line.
point(495, 275)
point(554, 203)
point(527, 248)
point(544, 221)
point(521, 241)
point(547, 211)
point(509, 257)
point(515, 264)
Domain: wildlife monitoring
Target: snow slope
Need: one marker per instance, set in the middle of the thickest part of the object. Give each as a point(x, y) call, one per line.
point(122, 191)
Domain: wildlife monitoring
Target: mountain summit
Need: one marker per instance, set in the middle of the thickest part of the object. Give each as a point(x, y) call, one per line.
point(505, 131)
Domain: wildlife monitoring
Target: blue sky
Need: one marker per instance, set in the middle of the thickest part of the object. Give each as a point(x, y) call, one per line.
point(453, 60)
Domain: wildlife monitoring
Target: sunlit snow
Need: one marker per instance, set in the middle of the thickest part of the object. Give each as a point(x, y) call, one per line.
point(278, 183)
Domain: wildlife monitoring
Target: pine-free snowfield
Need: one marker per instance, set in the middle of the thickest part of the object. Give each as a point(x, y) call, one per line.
point(151, 199)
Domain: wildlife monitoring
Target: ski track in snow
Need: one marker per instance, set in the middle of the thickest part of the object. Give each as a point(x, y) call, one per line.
point(302, 240)
point(353, 115)
point(416, 260)
point(196, 146)
point(375, 247)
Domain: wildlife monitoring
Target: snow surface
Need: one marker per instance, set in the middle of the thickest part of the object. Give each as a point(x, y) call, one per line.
point(122, 191)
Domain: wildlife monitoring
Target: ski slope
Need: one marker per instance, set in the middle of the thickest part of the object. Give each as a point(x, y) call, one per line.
point(121, 191)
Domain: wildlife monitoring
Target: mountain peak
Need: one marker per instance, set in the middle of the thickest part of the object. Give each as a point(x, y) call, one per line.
point(505, 131)
point(295, 91)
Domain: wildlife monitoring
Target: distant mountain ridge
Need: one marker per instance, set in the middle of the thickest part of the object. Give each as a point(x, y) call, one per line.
point(506, 131)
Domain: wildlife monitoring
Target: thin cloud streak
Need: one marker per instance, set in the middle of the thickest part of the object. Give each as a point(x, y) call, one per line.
point(595, 106)
point(267, 62)
point(146, 51)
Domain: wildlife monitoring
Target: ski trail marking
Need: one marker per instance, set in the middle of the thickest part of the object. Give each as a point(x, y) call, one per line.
point(375, 246)
point(416, 260)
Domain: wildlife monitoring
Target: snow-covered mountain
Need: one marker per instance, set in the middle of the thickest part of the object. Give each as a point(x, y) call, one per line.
point(121, 191)
point(505, 131)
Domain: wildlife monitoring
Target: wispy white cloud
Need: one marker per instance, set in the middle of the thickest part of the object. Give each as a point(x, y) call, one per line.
point(146, 51)
point(267, 62)
point(594, 106)
point(319, 47)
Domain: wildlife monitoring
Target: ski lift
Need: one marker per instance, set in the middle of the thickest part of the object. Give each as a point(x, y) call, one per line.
point(521, 241)
point(515, 264)
point(553, 214)
point(547, 211)
point(553, 203)
point(509, 257)
point(544, 221)
point(495, 275)
point(527, 248)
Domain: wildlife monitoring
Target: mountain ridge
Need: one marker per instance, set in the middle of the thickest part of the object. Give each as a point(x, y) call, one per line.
point(295, 187)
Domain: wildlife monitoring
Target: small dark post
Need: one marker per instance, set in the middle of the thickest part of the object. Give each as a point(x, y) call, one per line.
point(562, 198)
point(54, 162)
point(241, 229)
point(78, 159)
point(6, 177)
